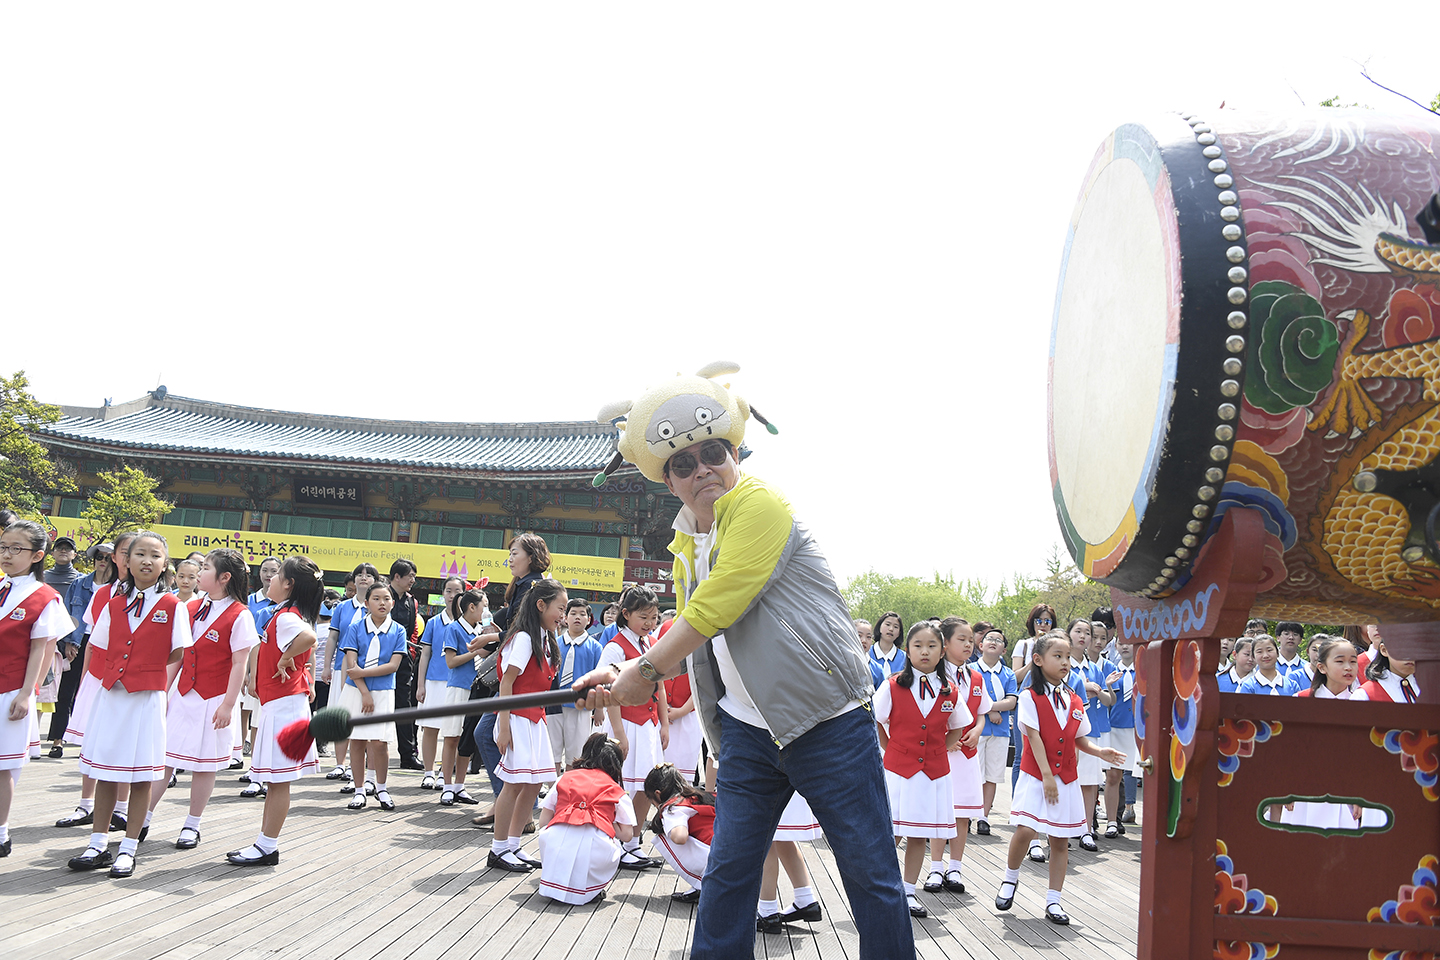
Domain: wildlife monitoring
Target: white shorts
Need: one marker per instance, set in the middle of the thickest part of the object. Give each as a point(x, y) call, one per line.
point(569, 729)
point(994, 751)
point(384, 703)
point(434, 696)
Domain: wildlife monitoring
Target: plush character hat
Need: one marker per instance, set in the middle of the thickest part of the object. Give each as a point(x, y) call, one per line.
point(676, 414)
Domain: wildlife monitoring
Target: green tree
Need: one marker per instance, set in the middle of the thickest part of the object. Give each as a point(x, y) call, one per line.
point(27, 474)
point(125, 501)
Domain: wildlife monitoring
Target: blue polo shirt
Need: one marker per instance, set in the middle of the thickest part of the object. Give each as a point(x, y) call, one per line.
point(392, 641)
point(344, 614)
point(434, 637)
point(457, 637)
point(1122, 714)
point(1255, 683)
point(999, 683)
point(1096, 671)
point(262, 608)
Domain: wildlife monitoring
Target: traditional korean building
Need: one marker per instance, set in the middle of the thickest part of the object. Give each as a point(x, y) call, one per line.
point(346, 490)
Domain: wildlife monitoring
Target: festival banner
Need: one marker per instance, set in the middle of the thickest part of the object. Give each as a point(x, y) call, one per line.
point(342, 555)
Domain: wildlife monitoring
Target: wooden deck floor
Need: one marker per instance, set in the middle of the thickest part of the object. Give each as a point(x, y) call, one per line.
point(412, 884)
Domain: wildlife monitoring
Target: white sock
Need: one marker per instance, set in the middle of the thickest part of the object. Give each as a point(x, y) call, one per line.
point(100, 841)
point(498, 846)
point(1012, 876)
point(768, 908)
point(937, 866)
point(4, 832)
point(267, 844)
point(149, 815)
point(632, 846)
point(192, 823)
point(445, 785)
point(909, 889)
point(122, 807)
point(1052, 896)
point(129, 845)
point(88, 805)
point(952, 866)
point(514, 845)
point(804, 896)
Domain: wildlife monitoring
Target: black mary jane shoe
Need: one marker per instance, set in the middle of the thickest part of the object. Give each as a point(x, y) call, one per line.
point(599, 897)
point(118, 823)
point(124, 866)
point(1087, 842)
point(1003, 902)
point(953, 883)
point(5, 848)
point(687, 896)
point(91, 859)
point(629, 861)
point(917, 909)
point(524, 857)
point(55, 753)
point(80, 818)
point(770, 924)
point(188, 843)
point(935, 882)
point(240, 858)
point(494, 859)
point(810, 913)
point(1055, 915)
point(982, 828)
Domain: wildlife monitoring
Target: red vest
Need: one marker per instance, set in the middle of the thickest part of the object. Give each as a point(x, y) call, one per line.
point(1377, 692)
point(677, 691)
point(587, 796)
point(269, 686)
point(533, 679)
point(702, 824)
point(207, 662)
point(650, 712)
point(1059, 742)
point(137, 659)
point(913, 748)
point(96, 661)
point(15, 636)
point(969, 681)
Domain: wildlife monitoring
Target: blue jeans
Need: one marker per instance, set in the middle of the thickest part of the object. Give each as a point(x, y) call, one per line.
point(489, 752)
point(836, 767)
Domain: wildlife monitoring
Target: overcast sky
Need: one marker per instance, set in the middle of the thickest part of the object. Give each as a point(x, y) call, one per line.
point(485, 213)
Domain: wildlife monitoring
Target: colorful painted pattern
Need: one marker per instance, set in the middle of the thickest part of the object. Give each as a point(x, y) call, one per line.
point(1416, 904)
point(1419, 753)
point(1235, 896)
point(1236, 739)
point(1185, 720)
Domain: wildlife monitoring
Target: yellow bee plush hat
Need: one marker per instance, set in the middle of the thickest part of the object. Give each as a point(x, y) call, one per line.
point(676, 414)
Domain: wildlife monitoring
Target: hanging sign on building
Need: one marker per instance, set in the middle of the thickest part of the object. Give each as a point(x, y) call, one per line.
point(309, 490)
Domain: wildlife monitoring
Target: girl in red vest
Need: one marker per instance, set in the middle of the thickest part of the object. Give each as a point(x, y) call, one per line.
point(1389, 680)
point(140, 632)
point(644, 731)
point(529, 660)
point(1047, 798)
point(280, 669)
point(967, 775)
point(198, 727)
point(580, 822)
point(29, 627)
point(917, 763)
point(90, 686)
point(684, 826)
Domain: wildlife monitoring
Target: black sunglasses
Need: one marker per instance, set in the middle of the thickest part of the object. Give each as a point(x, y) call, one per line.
point(712, 454)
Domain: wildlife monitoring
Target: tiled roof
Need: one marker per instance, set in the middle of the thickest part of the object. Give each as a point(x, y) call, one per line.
point(174, 427)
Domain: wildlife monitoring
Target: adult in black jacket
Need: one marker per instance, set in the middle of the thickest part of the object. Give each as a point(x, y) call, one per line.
point(402, 578)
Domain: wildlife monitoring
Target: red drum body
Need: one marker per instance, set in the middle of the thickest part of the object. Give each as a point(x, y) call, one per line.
point(1248, 315)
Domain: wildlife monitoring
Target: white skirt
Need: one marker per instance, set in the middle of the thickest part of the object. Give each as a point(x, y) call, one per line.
point(84, 701)
point(1123, 739)
point(1066, 818)
point(529, 759)
point(967, 781)
point(921, 807)
point(237, 751)
point(645, 752)
point(267, 763)
point(1091, 769)
point(688, 859)
point(384, 703)
point(191, 741)
point(453, 726)
point(125, 739)
point(17, 737)
point(249, 703)
point(684, 749)
point(579, 861)
point(797, 822)
point(434, 696)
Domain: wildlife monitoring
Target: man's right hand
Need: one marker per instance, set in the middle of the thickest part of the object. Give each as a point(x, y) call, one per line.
point(626, 688)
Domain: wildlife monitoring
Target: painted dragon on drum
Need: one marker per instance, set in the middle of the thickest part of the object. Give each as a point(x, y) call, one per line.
point(1289, 302)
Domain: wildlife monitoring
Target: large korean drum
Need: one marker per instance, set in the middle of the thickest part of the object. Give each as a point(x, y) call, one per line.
point(1248, 315)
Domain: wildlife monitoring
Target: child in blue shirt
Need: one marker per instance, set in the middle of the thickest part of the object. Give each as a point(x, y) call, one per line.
point(468, 614)
point(1121, 679)
point(373, 649)
point(995, 734)
point(434, 676)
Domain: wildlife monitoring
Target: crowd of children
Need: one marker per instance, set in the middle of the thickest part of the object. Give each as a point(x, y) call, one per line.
point(176, 653)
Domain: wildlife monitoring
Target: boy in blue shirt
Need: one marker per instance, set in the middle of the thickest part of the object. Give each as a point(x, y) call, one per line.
point(995, 734)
